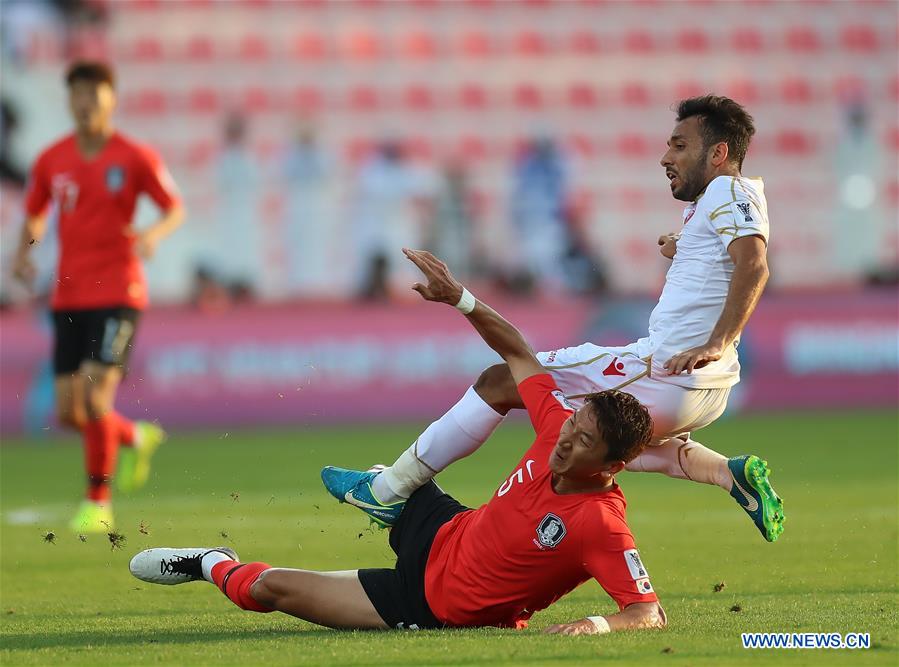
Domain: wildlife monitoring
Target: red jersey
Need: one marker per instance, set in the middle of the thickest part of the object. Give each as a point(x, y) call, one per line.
point(529, 546)
point(95, 200)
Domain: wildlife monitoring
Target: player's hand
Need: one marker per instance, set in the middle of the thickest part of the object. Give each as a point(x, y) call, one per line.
point(668, 245)
point(442, 286)
point(582, 627)
point(145, 241)
point(695, 357)
point(24, 269)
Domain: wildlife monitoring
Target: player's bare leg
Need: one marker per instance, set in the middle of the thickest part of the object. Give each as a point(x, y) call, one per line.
point(70, 401)
point(331, 599)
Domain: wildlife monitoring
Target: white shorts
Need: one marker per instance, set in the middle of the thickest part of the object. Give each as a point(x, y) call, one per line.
point(589, 368)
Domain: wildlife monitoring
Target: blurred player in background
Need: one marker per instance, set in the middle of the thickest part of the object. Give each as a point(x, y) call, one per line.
point(93, 178)
point(558, 520)
point(684, 369)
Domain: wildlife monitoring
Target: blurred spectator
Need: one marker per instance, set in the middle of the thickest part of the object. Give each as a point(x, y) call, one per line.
point(583, 271)
point(307, 178)
point(537, 208)
point(10, 172)
point(234, 251)
point(387, 215)
point(859, 219)
point(450, 236)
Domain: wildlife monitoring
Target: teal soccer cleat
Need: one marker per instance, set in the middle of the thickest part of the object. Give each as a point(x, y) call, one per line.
point(753, 492)
point(354, 487)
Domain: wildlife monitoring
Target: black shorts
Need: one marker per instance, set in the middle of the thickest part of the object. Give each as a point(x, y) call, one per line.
point(398, 594)
point(101, 335)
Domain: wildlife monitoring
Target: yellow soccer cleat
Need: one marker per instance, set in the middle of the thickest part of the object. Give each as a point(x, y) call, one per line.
point(134, 462)
point(92, 517)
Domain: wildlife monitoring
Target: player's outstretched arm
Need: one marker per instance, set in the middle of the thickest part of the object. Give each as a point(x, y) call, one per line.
point(638, 616)
point(148, 239)
point(498, 333)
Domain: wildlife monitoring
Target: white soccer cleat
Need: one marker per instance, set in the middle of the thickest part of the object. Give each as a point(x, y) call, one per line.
point(168, 566)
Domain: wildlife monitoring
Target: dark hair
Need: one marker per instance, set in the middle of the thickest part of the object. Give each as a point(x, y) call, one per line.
point(623, 423)
point(720, 119)
point(91, 71)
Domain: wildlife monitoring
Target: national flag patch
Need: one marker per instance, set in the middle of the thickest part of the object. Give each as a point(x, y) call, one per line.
point(644, 587)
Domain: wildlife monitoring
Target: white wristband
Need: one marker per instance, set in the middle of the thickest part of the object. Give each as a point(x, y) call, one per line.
point(602, 625)
point(466, 302)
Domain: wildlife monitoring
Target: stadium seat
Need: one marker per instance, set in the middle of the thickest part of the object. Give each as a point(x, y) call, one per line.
point(306, 100)
point(203, 100)
point(253, 48)
point(146, 102)
point(635, 94)
point(631, 145)
point(893, 88)
point(199, 48)
point(794, 142)
point(472, 97)
point(850, 88)
point(419, 45)
point(744, 91)
point(585, 43)
point(361, 45)
point(689, 88)
point(527, 96)
point(418, 147)
point(418, 97)
point(692, 40)
point(795, 90)
point(747, 40)
point(476, 44)
point(309, 46)
point(358, 149)
point(531, 44)
point(256, 99)
point(803, 39)
point(363, 98)
point(582, 145)
point(859, 38)
point(472, 148)
point(146, 49)
point(639, 42)
point(582, 96)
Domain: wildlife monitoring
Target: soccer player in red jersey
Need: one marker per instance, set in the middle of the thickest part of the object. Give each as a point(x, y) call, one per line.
point(90, 180)
point(555, 522)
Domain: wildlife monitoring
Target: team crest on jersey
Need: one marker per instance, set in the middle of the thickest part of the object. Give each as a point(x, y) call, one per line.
point(746, 210)
point(550, 531)
point(115, 178)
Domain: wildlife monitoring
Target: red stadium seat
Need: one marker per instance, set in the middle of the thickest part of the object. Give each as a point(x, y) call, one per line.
point(893, 138)
point(794, 142)
point(472, 96)
point(419, 45)
point(527, 96)
point(630, 145)
point(253, 48)
point(744, 91)
point(199, 48)
point(358, 149)
point(689, 88)
point(795, 90)
point(361, 45)
point(583, 96)
point(418, 147)
point(203, 100)
point(636, 94)
point(893, 88)
point(582, 145)
point(146, 49)
point(476, 44)
point(364, 98)
point(860, 38)
point(803, 39)
point(257, 99)
point(530, 44)
point(418, 98)
point(309, 46)
point(306, 100)
point(692, 40)
point(472, 148)
point(850, 88)
point(747, 40)
point(639, 42)
point(585, 43)
point(147, 102)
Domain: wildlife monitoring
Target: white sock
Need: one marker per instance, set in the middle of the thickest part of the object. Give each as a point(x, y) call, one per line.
point(458, 433)
point(684, 459)
point(209, 561)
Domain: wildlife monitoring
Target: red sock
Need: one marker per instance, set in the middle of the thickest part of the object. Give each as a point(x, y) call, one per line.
point(125, 429)
point(101, 445)
point(235, 579)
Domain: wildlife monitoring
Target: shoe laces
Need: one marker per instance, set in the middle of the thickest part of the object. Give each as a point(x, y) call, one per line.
point(187, 565)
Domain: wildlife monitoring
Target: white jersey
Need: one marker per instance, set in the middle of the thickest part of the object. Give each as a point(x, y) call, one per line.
point(699, 278)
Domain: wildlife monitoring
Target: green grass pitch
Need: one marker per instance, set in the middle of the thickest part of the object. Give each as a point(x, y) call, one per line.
point(73, 602)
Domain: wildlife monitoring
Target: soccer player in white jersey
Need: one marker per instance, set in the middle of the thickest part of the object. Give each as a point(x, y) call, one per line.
point(683, 370)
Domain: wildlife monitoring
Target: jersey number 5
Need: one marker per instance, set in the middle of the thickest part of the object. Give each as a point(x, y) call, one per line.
point(517, 476)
